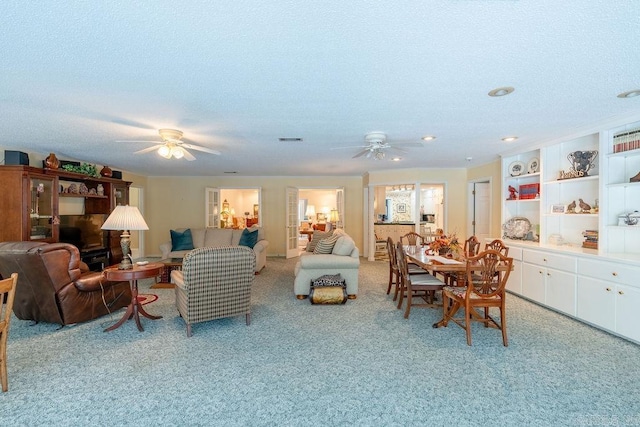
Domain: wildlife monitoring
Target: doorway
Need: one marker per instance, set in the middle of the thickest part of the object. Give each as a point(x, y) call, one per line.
point(309, 209)
point(479, 201)
point(233, 207)
point(396, 209)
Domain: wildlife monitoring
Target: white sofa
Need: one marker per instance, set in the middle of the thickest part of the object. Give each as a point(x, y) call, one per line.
point(217, 237)
point(345, 259)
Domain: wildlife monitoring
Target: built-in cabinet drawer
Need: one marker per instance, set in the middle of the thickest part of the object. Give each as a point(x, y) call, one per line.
point(610, 271)
point(551, 260)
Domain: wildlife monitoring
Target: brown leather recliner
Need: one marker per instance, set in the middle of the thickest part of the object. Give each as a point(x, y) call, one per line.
point(52, 287)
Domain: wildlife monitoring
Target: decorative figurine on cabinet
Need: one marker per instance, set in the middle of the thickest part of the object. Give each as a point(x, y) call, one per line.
point(586, 208)
point(512, 193)
point(571, 208)
point(635, 178)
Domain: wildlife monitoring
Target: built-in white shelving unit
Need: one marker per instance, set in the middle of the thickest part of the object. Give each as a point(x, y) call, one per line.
point(597, 286)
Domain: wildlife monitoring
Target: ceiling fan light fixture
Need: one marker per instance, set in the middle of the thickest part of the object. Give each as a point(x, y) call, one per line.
point(428, 138)
point(379, 155)
point(501, 91)
point(164, 151)
point(509, 138)
point(177, 153)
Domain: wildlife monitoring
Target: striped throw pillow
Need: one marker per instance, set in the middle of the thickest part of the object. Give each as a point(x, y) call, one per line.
point(325, 246)
point(317, 236)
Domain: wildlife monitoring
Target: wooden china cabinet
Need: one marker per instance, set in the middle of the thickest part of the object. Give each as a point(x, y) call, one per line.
point(30, 204)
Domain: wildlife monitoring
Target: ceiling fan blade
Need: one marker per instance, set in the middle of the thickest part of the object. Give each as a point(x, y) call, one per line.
point(397, 149)
point(145, 150)
point(188, 155)
point(349, 147)
point(150, 142)
point(363, 152)
point(408, 144)
point(200, 148)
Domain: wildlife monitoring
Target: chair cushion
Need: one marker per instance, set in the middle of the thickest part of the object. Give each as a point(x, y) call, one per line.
point(248, 238)
point(325, 246)
point(181, 241)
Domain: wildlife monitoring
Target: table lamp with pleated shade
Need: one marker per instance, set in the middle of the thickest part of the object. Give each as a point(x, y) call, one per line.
point(125, 218)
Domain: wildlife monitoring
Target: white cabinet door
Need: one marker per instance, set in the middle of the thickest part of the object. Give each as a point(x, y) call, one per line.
point(627, 312)
point(514, 283)
point(596, 302)
point(533, 282)
point(560, 289)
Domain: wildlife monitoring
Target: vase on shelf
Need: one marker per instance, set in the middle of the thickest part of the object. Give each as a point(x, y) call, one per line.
point(106, 172)
point(52, 161)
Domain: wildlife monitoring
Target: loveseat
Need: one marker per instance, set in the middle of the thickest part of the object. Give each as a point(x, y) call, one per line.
point(52, 286)
point(344, 259)
point(217, 237)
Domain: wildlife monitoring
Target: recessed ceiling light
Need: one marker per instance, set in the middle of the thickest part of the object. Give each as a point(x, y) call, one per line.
point(428, 138)
point(289, 139)
point(509, 138)
point(630, 94)
point(501, 91)
point(396, 159)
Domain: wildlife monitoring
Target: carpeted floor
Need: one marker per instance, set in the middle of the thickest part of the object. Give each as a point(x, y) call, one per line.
point(298, 364)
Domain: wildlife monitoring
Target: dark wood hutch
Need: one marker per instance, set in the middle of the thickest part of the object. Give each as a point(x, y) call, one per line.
point(29, 206)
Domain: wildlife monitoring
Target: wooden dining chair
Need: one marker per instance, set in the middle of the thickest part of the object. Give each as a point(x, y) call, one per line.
point(393, 268)
point(471, 246)
point(497, 245)
point(485, 294)
point(415, 285)
point(7, 294)
point(412, 239)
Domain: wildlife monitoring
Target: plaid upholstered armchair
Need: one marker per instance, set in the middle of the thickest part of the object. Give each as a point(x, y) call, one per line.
point(215, 283)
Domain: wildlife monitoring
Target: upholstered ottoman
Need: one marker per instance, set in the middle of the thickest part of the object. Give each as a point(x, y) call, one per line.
point(328, 289)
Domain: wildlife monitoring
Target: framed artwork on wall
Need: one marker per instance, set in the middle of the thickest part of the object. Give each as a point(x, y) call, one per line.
point(401, 208)
point(255, 211)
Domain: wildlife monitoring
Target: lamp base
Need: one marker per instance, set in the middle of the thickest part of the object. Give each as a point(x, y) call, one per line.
point(125, 244)
point(125, 264)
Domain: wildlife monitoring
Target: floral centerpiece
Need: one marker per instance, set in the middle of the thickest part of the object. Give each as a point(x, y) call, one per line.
point(446, 245)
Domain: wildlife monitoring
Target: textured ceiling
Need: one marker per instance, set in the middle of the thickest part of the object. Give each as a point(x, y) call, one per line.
point(234, 76)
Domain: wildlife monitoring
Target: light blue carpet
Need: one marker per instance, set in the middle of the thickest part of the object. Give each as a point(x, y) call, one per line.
point(360, 364)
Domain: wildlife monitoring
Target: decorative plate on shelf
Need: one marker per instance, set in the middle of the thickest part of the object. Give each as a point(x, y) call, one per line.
point(516, 228)
point(533, 166)
point(516, 168)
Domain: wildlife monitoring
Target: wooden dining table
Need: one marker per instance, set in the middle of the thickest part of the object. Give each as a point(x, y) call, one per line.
point(443, 265)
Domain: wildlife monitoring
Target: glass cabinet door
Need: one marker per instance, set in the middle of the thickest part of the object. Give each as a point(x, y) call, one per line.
point(120, 195)
point(42, 211)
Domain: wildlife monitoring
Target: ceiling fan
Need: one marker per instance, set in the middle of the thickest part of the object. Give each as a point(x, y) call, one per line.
point(376, 144)
point(172, 145)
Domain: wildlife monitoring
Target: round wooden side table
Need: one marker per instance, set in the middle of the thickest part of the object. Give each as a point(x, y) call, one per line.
point(134, 309)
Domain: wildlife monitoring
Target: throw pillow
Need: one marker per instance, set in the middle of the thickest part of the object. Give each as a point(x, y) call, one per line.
point(181, 241)
point(248, 238)
point(317, 236)
point(325, 246)
point(344, 245)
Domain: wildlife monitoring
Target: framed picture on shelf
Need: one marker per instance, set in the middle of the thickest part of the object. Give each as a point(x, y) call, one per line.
point(402, 208)
point(558, 209)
